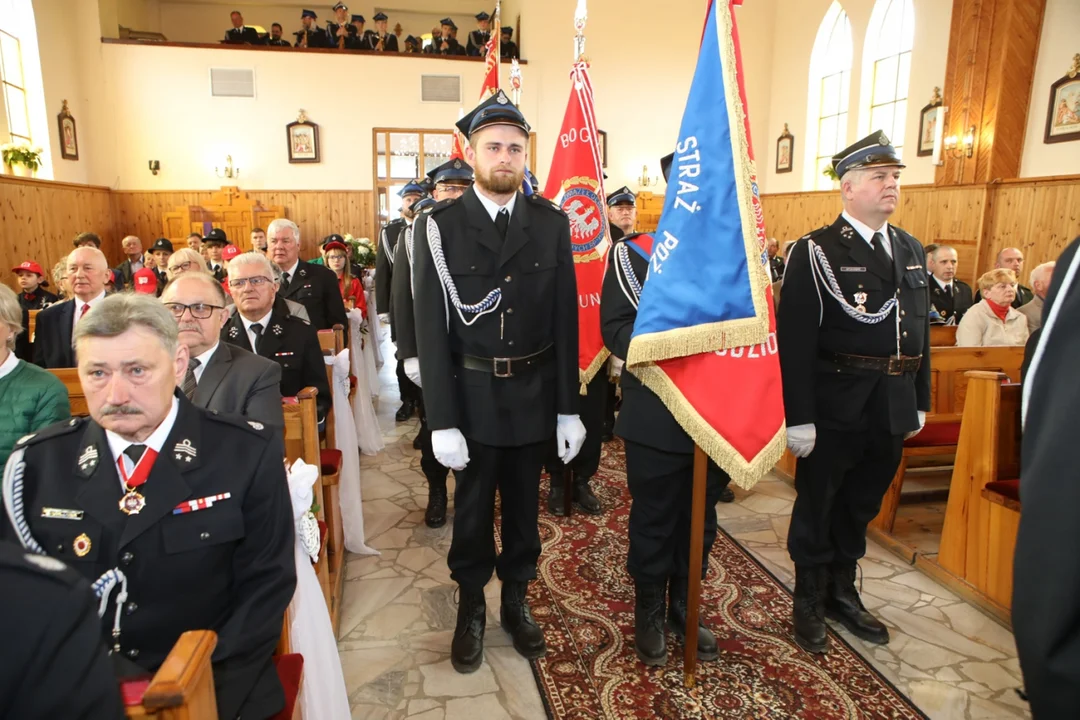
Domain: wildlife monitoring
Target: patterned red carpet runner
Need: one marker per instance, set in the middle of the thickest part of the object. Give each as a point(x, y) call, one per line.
point(584, 602)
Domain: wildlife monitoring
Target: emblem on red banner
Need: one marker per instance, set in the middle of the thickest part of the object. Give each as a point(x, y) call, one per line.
point(582, 204)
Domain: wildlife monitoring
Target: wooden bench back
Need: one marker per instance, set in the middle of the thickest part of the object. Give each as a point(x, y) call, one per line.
point(31, 324)
point(70, 378)
point(302, 427)
point(943, 335)
point(948, 381)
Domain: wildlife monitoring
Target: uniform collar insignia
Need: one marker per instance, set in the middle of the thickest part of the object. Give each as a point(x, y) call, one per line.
point(276, 329)
point(184, 451)
point(847, 231)
point(256, 425)
point(301, 272)
point(234, 332)
point(89, 459)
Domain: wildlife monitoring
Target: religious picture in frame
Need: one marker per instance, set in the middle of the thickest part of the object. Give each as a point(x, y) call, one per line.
point(69, 139)
point(303, 139)
point(785, 151)
point(1063, 115)
point(929, 118)
point(602, 135)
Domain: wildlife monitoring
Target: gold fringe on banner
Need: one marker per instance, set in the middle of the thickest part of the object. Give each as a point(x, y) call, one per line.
point(743, 473)
point(585, 376)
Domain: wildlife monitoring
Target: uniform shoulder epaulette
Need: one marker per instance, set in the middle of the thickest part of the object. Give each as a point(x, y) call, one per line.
point(252, 426)
point(298, 319)
point(905, 234)
point(38, 566)
point(55, 430)
point(442, 205)
point(814, 233)
point(543, 202)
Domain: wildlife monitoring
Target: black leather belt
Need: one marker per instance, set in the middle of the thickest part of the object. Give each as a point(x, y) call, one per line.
point(505, 367)
point(889, 365)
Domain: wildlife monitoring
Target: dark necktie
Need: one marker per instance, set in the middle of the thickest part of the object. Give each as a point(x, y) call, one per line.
point(284, 282)
point(135, 453)
point(878, 242)
point(948, 290)
point(257, 328)
point(189, 379)
point(502, 221)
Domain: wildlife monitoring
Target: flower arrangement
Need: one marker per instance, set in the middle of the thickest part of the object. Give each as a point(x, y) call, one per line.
point(21, 154)
point(362, 251)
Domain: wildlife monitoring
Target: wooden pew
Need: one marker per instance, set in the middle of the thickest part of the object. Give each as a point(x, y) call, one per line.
point(182, 688)
point(31, 324)
point(983, 512)
point(332, 342)
point(948, 392)
point(943, 335)
point(70, 378)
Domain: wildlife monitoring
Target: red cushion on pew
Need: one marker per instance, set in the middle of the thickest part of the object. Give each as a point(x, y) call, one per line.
point(290, 671)
point(1007, 488)
point(936, 434)
point(330, 458)
point(132, 689)
point(322, 531)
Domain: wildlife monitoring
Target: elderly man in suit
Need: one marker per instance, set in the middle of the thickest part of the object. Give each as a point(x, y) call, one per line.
point(133, 251)
point(88, 271)
point(313, 286)
point(220, 376)
point(1040, 285)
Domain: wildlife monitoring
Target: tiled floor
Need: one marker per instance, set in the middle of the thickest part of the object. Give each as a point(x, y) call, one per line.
point(399, 611)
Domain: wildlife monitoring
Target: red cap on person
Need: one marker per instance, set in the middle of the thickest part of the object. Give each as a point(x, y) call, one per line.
point(29, 266)
point(145, 281)
point(229, 252)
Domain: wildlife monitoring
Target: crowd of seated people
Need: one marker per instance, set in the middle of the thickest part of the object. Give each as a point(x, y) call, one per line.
point(347, 32)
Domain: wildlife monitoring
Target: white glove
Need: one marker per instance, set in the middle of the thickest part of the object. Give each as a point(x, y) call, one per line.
point(450, 448)
point(922, 424)
point(615, 367)
point(801, 439)
point(570, 434)
point(412, 370)
point(384, 318)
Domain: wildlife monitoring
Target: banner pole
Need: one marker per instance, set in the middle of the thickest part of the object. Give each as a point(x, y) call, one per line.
point(697, 547)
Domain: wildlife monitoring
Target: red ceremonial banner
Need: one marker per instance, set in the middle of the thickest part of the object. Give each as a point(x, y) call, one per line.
point(576, 184)
point(491, 61)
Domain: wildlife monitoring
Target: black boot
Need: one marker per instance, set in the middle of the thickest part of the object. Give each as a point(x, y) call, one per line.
point(843, 604)
point(808, 612)
point(556, 496)
point(435, 516)
point(405, 411)
point(518, 621)
point(649, 641)
point(706, 641)
point(583, 496)
point(467, 648)
point(727, 495)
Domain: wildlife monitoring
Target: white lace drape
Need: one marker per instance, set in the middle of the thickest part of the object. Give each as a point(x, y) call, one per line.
point(368, 435)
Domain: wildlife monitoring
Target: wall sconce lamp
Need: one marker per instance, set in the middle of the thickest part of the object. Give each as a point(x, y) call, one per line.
point(155, 166)
point(958, 148)
point(228, 171)
point(645, 180)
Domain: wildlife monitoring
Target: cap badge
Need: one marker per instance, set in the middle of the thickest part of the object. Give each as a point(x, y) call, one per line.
point(184, 451)
point(457, 164)
point(501, 98)
point(882, 140)
point(81, 546)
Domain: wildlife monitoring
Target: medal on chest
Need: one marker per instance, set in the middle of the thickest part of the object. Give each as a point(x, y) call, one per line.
point(860, 301)
point(133, 501)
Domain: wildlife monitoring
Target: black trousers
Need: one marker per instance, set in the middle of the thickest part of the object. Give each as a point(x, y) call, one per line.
point(612, 399)
point(840, 486)
point(409, 390)
point(515, 472)
point(591, 409)
point(435, 472)
point(661, 486)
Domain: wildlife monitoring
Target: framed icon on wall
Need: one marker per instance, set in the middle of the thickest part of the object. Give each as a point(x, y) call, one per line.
point(303, 140)
point(69, 138)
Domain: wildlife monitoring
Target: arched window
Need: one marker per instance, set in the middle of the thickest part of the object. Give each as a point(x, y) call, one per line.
point(829, 95)
point(887, 69)
point(22, 94)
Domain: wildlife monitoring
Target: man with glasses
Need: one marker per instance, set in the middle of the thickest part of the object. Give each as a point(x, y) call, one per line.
point(266, 330)
point(220, 377)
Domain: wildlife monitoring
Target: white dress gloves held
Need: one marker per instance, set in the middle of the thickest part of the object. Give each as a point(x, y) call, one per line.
point(412, 370)
point(801, 439)
point(570, 433)
point(450, 448)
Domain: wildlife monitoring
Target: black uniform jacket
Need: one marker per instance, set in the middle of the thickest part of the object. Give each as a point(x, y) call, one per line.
point(54, 663)
point(385, 256)
point(332, 34)
point(644, 418)
point(316, 38)
point(508, 50)
point(316, 288)
point(241, 35)
point(402, 297)
point(229, 568)
point(371, 38)
point(819, 391)
point(294, 345)
point(1047, 564)
point(949, 306)
point(534, 268)
point(52, 336)
point(475, 45)
point(37, 300)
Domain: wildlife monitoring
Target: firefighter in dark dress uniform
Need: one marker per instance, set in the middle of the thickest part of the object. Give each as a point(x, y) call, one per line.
point(384, 279)
point(496, 335)
point(853, 332)
point(357, 39)
point(275, 39)
point(508, 49)
point(447, 44)
point(950, 298)
point(381, 40)
point(311, 36)
point(478, 38)
point(659, 473)
point(451, 180)
point(338, 33)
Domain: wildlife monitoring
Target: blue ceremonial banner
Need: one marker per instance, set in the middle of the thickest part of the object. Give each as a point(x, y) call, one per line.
point(701, 295)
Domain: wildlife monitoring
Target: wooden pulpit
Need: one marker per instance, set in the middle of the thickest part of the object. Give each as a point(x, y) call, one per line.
point(230, 209)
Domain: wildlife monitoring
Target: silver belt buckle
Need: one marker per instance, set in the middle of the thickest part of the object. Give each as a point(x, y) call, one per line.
point(896, 366)
point(508, 372)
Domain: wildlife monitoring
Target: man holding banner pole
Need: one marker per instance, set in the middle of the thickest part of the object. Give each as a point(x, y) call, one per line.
point(854, 339)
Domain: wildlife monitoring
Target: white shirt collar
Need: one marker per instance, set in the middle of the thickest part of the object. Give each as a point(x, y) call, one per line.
point(944, 285)
point(79, 303)
point(117, 444)
point(292, 271)
point(493, 208)
point(264, 320)
point(203, 360)
point(865, 231)
point(8, 365)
